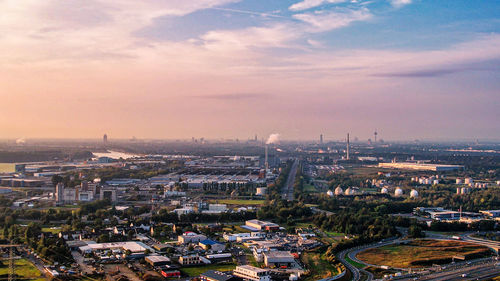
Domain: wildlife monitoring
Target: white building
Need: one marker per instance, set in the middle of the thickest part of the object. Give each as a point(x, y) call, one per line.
point(252, 273)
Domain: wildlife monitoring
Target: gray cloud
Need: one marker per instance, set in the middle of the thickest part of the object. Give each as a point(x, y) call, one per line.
point(489, 65)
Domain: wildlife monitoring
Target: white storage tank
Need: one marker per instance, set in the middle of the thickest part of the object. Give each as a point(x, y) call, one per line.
point(329, 193)
point(414, 193)
point(339, 190)
point(398, 192)
point(384, 191)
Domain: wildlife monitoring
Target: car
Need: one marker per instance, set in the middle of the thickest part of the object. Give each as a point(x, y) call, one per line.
point(464, 275)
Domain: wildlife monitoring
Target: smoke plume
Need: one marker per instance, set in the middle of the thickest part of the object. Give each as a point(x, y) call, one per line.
point(273, 138)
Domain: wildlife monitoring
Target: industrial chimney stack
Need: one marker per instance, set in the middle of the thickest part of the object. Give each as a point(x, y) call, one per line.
point(266, 163)
point(347, 150)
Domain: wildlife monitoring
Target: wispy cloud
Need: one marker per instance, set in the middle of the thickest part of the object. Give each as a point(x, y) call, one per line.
point(308, 4)
point(321, 21)
point(266, 15)
point(400, 3)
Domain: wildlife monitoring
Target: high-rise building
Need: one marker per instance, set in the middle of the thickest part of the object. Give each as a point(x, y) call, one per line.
point(321, 139)
point(105, 139)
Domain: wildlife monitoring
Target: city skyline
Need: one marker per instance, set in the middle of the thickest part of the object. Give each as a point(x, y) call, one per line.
point(229, 69)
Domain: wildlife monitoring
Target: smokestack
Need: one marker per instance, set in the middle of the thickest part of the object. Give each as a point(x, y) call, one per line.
point(266, 163)
point(347, 150)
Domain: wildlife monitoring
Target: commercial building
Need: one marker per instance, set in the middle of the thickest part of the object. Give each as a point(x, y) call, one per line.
point(444, 215)
point(257, 225)
point(278, 259)
point(137, 249)
point(214, 275)
point(248, 272)
point(157, 260)
point(190, 260)
point(190, 237)
point(420, 166)
point(208, 244)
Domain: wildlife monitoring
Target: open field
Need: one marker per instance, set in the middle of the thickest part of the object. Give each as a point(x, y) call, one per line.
point(23, 269)
point(318, 266)
point(53, 230)
point(238, 202)
point(421, 253)
point(197, 270)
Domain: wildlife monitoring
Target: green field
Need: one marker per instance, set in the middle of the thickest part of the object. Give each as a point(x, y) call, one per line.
point(238, 202)
point(356, 264)
point(55, 230)
point(309, 188)
point(421, 253)
point(197, 270)
point(24, 269)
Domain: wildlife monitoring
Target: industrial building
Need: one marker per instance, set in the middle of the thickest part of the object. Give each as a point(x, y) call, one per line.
point(214, 275)
point(257, 225)
point(208, 244)
point(420, 166)
point(278, 259)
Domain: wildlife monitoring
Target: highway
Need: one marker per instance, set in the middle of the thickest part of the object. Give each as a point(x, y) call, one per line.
point(287, 191)
point(356, 275)
point(475, 271)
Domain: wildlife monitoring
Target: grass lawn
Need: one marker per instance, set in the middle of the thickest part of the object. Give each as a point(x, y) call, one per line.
point(420, 252)
point(24, 269)
point(53, 230)
point(356, 264)
point(197, 270)
point(309, 188)
point(318, 266)
point(238, 202)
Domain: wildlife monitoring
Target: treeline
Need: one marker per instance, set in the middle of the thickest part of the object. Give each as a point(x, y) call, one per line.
point(370, 225)
point(284, 211)
point(168, 217)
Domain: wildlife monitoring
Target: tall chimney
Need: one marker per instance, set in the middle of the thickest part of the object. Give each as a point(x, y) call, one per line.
point(347, 146)
point(266, 163)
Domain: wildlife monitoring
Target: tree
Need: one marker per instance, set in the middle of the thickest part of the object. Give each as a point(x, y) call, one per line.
point(415, 231)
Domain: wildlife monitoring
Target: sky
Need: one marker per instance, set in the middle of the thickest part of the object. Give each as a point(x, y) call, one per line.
point(410, 69)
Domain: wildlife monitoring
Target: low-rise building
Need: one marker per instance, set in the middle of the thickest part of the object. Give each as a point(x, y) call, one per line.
point(278, 258)
point(209, 244)
point(190, 260)
point(259, 225)
point(214, 275)
point(248, 272)
point(157, 260)
point(190, 237)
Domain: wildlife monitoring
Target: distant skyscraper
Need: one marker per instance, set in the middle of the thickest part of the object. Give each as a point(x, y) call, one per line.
point(321, 139)
point(105, 139)
point(375, 134)
point(255, 137)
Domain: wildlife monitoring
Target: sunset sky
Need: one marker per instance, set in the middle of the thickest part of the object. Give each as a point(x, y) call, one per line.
point(426, 69)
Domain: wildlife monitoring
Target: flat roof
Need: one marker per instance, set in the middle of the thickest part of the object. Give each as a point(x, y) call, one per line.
point(157, 258)
point(252, 268)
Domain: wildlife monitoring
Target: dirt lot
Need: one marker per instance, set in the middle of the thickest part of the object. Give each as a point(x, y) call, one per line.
point(421, 253)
